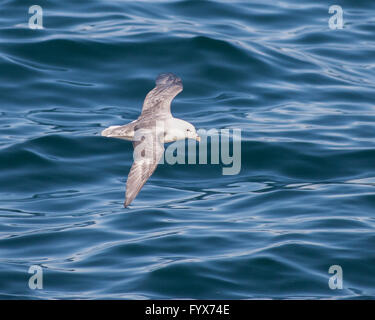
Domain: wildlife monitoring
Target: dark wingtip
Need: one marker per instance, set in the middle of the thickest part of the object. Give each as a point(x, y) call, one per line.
point(168, 79)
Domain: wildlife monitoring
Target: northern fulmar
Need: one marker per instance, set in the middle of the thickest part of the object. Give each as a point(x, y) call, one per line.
point(154, 127)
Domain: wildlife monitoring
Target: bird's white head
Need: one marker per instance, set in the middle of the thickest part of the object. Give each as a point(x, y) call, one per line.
point(178, 129)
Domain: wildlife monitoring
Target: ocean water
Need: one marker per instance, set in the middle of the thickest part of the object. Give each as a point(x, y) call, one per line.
point(301, 93)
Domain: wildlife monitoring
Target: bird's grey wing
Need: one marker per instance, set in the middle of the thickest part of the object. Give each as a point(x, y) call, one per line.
point(158, 100)
point(147, 154)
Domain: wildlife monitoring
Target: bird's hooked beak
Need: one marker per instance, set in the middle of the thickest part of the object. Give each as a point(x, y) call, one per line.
point(198, 138)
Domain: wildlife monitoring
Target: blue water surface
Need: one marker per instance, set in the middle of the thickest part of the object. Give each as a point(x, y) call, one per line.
point(304, 200)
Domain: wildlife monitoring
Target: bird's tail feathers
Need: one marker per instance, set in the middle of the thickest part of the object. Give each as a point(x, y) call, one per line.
point(123, 132)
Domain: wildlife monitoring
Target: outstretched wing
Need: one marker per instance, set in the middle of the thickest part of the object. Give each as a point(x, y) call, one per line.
point(147, 154)
point(158, 100)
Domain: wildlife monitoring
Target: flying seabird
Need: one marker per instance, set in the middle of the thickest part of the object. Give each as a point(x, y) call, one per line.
point(154, 127)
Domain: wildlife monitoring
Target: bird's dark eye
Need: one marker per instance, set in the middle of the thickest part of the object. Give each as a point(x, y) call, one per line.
point(188, 130)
